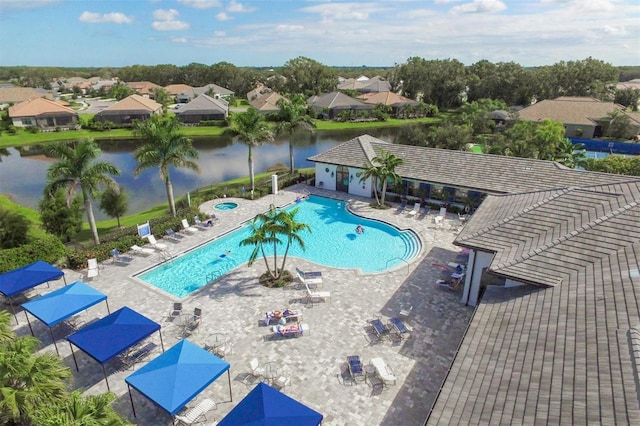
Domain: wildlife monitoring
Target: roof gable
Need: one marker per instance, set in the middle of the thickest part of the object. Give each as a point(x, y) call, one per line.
point(204, 103)
point(38, 106)
point(134, 103)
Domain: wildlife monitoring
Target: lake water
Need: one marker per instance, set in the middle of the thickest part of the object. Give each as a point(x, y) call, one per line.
point(23, 172)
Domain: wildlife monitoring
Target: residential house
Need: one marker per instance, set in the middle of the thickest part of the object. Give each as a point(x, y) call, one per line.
point(175, 89)
point(330, 105)
point(395, 101)
point(124, 112)
point(203, 108)
point(143, 88)
point(268, 102)
point(260, 90)
point(583, 117)
point(554, 272)
point(210, 89)
point(366, 85)
point(44, 114)
point(14, 94)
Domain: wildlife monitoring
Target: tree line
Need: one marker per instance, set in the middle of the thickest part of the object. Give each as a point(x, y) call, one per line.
point(446, 83)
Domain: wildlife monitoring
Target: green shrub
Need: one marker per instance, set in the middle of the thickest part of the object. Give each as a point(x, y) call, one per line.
point(48, 248)
point(213, 123)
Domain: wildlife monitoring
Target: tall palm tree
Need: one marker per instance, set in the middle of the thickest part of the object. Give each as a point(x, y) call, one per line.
point(382, 168)
point(251, 129)
point(269, 229)
point(293, 117)
point(570, 155)
point(77, 169)
point(164, 147)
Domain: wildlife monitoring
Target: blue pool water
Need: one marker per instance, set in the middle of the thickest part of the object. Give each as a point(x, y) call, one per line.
point(333, 242)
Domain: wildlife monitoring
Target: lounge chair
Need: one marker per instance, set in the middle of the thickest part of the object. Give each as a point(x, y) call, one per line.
point(93, 271)
point(311, 295)
point(355, 367)
point(156, 245)
point(313, 278)
point(379, 328)
point(287, 315)
point(145, 251)
point(425, 211)
point(137, 355)
point(194, 415)
point(399, 328)
point(117, 258)
point(187, 227)
point(171, 234)
point(383, 371)
point(415, 210)
point(402, 206)
point(291, 330)
point(202, 225)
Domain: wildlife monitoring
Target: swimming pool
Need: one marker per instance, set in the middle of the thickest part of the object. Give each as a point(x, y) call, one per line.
point(333, 242)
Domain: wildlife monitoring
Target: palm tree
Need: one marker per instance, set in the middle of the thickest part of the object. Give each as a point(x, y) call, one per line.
point(75, 169)
point(251, 129)
point(382, 168)
point(291, 118)
point(164, 147)
point(570, 155)
point(268, 228)
point(93, 410)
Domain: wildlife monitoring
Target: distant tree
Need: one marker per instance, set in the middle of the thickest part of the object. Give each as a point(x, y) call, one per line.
point(293, 116)
point(308, 77)
point(414, 134)
point(251, 129)
point(162, 97)
point(59, 218)
point(77, 168)
point(619, 126)
point(164, 147)
point(13, 229)
point(113, 202)
point(120, 91)
point(588, 77)
point(449, 136)
point(508, 82)
point(548, 135)
point(628, 98)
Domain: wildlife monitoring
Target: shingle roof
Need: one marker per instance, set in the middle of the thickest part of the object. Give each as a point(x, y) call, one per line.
point(143, 87)
point(336, 100)
point(133, 103)
point(175, 89)
point(569, 110)
point(267, 102)
point(386, 98)
point(560, 354)
point(204, 104)
point(39, 106)
point(20, 94)
point(482, 172)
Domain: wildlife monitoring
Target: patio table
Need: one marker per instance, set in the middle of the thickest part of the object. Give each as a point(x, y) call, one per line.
point(271, 370)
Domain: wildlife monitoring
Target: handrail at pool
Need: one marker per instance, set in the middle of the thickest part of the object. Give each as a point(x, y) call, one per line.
point(397, 258)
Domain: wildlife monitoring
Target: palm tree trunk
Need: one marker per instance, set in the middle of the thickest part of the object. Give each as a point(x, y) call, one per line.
point(169, 187)
point(291, 165)
point(384, 192)
point(375, 189)
point(90, 217)
point(251, 176)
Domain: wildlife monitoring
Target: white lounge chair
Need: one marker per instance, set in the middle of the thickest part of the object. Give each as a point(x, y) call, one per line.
point(93, 268)
point(383, 371)
point(145, 251)
point(315, 295)
point(194, 415)
point(187, 227)
point(156, 244)
point(416, 209)
point(310, 278)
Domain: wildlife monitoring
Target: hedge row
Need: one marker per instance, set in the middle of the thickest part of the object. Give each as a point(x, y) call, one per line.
point(48, 248)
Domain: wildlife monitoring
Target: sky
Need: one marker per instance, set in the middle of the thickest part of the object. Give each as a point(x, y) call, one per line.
point(268, 33)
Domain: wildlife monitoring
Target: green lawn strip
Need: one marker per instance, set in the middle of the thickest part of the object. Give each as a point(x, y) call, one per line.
point(32, 215)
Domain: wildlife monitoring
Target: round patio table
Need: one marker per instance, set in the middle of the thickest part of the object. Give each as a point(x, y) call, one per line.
point(215, 340)
point(271, 370)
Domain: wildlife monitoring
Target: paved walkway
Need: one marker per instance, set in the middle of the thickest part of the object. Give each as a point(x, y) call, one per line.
point(235, 305)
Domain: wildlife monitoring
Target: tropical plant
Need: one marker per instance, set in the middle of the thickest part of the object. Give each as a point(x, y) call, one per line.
point(570, 155)
point(76, 410)
point(268, 230)
point(547, 137)
point(251, 129)
point(382, 168)
point(113, 202)
point(164, 147)
point(619, 125)
point(76, 168)
point(59, 217)
point(293, 116)
point(13, 228)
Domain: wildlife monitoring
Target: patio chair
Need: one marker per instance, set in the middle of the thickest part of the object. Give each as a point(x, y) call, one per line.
point(425, 211)
point(256, 369)
point(156, 245)
point(402, 206)
point(379, 328)
point(188, 228)
point(136, 355)
point(383, 371)
point(92, 270)
point(117, 258)
point(171, 234)
point(202, 225)
point(399, 328)
point(195, 414)
point(313, 278)
point(355, 368)
point(415, 210)
point(315, 295)
point(282, 381)
point(145, 251)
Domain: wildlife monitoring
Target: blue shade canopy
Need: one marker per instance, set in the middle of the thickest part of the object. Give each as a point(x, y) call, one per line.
point(265, 406)
point(113, 334)
point(15, 282)
point(63, 303)
point(177, 376)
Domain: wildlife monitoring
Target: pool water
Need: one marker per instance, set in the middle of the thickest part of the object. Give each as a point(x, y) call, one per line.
point(226, 206)
point(333, 242)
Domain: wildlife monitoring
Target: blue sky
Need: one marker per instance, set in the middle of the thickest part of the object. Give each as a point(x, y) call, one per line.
point(337, 33)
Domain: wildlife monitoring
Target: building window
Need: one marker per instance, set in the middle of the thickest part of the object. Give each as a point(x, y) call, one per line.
point(27, 122)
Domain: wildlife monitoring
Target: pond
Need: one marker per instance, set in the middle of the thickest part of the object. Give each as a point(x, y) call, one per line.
point(23, 172)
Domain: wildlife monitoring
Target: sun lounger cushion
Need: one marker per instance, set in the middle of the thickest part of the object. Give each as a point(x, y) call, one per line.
point(378, 326)
point(399, 325)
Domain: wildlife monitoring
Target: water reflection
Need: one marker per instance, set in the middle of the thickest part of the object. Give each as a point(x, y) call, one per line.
point(23, 171)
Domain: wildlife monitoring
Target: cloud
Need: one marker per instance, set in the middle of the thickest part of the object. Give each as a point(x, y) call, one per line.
point(236, 7)
point(480, 6)
point(103, 18)
point(614, 30)
point(592, 5)
point(165, 20)
point(201, 4)
point(179, 40)
point(346, 11)
point(222, 16)
point(219, 33)
point(289, 28)
point(23, 4)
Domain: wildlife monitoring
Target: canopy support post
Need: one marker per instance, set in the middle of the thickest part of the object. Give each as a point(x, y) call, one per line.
point(133, 408)
point(229, 378)
point(104, 371)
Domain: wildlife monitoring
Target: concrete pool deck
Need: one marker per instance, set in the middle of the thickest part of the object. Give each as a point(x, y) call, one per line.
point(235, 305)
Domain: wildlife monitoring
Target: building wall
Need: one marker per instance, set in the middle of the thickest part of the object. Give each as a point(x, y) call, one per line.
point(587, 131)
point(356, 187)
point(325, 176)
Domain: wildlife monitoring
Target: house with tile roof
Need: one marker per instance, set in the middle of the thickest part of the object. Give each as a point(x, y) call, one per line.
point(395, 101)
point(212, 90)
point(143, 88)
point(124, 112)
point(203, 108)
point(332, 104)
point(176, 89)
point(268, 102)
point(583, 117)
point(555, 338)
point(44, 114)
point(14, 94)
